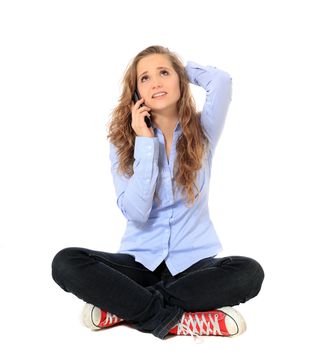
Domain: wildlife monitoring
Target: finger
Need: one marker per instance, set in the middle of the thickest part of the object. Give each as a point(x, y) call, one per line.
point(144, 108)
point(139, 102)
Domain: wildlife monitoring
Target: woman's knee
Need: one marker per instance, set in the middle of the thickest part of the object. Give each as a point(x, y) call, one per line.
point(249, 270)
point(62, 262)
point(255, 274)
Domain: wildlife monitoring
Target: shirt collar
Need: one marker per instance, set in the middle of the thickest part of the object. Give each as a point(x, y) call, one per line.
point(178, 126)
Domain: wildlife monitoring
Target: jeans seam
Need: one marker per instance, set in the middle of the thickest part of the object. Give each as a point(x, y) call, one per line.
point(189, 274)
point(162, 331)
point(117, 264)
point(209, 266)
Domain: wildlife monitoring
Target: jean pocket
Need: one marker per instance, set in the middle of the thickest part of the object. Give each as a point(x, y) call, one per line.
point(199, 265)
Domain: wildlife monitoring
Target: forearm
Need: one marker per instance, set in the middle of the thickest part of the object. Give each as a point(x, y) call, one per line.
point(135, 196)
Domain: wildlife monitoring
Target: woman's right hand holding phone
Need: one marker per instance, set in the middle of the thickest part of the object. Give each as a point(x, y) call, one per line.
point(138, 119)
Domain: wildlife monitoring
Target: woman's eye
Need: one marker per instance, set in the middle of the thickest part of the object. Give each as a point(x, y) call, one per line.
point(143, 78)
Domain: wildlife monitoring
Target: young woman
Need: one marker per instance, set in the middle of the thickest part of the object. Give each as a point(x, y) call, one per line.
point(165, 278)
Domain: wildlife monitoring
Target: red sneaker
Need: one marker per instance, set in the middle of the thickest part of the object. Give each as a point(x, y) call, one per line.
point(225, 321)
point(95, 318)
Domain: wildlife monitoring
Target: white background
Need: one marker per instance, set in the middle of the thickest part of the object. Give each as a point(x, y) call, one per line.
point(61, 69)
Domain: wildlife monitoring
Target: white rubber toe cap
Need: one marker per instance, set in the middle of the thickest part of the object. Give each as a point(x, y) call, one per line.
point(91, 316)
point(234, 321)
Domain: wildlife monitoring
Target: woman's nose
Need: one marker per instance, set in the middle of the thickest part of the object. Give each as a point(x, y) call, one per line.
point(156, 82)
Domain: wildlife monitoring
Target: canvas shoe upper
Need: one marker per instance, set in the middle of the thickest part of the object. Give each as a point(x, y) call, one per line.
point(225, 321)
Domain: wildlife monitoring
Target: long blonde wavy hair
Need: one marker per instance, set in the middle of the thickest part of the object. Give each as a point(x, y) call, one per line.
point(192, 144)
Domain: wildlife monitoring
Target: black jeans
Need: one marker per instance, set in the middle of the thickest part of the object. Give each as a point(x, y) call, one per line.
point(154, 301)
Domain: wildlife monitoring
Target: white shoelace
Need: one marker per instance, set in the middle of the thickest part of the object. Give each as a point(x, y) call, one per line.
point(110, 319)
point(186, 323)
point(197, 339)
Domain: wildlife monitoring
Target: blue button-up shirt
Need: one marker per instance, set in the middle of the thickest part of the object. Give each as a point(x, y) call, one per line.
point(173, 232)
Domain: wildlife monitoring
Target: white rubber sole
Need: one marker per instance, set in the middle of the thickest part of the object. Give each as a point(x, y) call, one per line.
point(235, 323)
point(90, 316)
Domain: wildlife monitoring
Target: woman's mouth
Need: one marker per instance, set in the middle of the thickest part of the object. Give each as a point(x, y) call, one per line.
point(159, 94)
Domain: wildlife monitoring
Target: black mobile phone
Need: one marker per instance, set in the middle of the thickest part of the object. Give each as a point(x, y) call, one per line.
point(136, 97)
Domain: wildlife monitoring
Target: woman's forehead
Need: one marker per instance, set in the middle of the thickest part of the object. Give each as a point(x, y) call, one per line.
point(153, 62)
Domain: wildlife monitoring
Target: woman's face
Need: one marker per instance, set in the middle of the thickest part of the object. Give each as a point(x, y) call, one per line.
point(158, 82)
